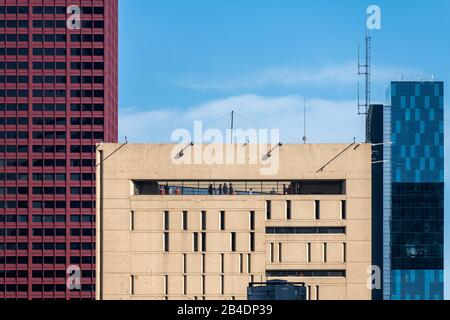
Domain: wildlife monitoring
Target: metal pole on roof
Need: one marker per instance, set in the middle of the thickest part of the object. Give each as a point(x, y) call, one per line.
point(232, 126)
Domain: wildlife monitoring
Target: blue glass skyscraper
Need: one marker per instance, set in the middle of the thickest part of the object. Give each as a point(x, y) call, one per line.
point(417, 179)
point(411, 209)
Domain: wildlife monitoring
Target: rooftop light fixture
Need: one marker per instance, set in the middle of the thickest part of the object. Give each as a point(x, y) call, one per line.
point(269, 154)
point(181, 153)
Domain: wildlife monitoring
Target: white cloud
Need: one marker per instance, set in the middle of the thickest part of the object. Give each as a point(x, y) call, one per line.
point(327, 121)
point(288, 76)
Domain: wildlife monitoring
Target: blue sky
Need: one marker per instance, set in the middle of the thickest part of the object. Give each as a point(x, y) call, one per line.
point(182, 61)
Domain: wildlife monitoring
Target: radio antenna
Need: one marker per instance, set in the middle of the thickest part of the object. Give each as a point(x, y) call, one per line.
point(232, 127)
point(366, 70)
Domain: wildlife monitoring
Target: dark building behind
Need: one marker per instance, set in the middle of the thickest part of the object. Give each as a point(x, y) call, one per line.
point(412, 191)
point(58, 98)
point(375, 130)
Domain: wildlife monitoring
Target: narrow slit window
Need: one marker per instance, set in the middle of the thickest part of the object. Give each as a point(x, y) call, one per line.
point(344, 210)
point(252, 220)
point(233, 241)
point(184, 263)
point(166, 221)
point(203, 263)
point(222, 220)
point(203, 220)
point(166, 285)
point(325, 253)
point(271, 252)
point(166, 242)
point(280, 252)
point(252, 242)
point(131, 285)
point(308, 252)
point(203, 285)
point(185, 220)
point(249, 263)
point(222, 263)
point(132, 221)
point(203, 242)
point(344, 252)
point(269, 210)
point(317, 210)
point(241, 263)
point(288, 210)
point(195, 242)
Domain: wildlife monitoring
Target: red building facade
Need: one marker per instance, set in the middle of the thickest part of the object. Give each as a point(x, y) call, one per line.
point(58, 99)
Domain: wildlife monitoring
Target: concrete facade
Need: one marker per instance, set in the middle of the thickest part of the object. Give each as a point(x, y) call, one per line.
point(145, 243)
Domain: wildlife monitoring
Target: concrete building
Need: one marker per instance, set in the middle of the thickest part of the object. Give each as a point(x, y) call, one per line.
point(172, 227)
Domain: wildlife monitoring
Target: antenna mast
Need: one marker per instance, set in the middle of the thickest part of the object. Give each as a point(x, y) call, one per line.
point(232, 126)
point(366, 70)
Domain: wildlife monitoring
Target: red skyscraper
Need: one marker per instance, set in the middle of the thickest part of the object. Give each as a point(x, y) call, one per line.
point(58, 98)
